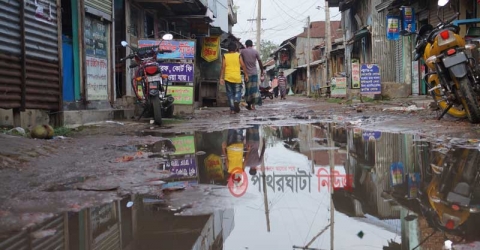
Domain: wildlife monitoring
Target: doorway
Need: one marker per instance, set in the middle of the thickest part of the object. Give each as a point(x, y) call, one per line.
point(67, 52)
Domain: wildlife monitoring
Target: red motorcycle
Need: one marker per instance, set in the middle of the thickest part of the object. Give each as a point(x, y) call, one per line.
point(149, 83)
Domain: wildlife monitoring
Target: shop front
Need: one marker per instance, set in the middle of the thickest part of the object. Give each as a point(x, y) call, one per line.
point(97, 35)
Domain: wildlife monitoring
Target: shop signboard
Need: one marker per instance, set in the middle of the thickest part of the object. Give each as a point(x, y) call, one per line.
point(339, 87)
point(355, 75)
point(211, 48)
point(183, 166)
point(181, 49)
point(184, 144)
point(370, 79)
point(214, 167)
point(182, 94)
point(102, 218)
point(178, 72)
point(371, 135)
point(96, 40)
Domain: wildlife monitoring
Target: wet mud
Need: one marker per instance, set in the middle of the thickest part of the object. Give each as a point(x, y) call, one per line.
point(252, 181)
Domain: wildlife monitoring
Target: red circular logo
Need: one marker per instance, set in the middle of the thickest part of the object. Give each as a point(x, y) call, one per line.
point(238, 182)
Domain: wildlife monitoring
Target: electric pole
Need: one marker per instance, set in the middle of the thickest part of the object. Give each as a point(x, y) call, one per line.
point(309, 52)
point(328, 43)
point(259, 20)
point(331, 155)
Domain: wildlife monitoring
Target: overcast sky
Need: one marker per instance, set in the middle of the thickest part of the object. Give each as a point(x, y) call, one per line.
point(284, 18)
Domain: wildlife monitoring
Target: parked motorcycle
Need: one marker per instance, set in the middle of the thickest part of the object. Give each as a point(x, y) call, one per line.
point(149, 83)
point(453, 189)
point(266, 92)
point(452, 81)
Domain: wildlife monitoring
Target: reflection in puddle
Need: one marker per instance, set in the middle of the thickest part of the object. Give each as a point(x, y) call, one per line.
point(272, 187)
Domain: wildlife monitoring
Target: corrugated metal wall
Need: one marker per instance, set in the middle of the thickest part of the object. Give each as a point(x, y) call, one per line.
point(382, 48)
point(24, 240)
point(445, 12)
point(10, 53)
point(110, 240)
point(43, 72)
point(400, 77)
point(104, 6)
point(33, 83)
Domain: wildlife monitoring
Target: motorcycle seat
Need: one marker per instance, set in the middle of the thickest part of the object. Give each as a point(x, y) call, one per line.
point(460, 194)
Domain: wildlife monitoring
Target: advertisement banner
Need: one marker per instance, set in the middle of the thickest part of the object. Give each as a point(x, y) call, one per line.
point(182, 49)
point(182, 94)
point(184, 145)
point(355, 75)
point(408, 17)
point(178, 72)
point(97, 78)
point(211, 48)
point(370, 79)
point(393, 27)
point(339, 87)
point(184, 166)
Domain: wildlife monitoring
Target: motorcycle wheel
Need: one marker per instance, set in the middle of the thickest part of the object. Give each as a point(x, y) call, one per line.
point(271, 97)
point(470, 100)
point(264, 97)
point(455, 111)
point(157, 110)
point(169, 112)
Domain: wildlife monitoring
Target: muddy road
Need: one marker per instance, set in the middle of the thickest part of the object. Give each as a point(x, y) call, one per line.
point(133, 185)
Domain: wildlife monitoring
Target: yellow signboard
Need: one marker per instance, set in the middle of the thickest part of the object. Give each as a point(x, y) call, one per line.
point(213, 165)
point(210, 48)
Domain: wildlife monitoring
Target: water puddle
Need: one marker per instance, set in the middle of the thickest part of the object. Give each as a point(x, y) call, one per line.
point(284, 187)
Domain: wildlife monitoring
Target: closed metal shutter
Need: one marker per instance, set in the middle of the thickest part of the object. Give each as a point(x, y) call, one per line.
point(25, 239)
point(399, 61)
point(33, 83)
point(43, 72)
point(445, 12)
point(108, 240)
point(104, 6)
point(10, 53)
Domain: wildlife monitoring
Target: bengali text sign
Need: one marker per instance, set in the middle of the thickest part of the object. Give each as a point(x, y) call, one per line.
point(370, 79)
point(178, 72)
point(182, 94)
point(97, 79)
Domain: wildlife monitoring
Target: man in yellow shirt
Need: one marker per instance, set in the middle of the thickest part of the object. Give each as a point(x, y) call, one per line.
point(233, 150)
point(231, 77)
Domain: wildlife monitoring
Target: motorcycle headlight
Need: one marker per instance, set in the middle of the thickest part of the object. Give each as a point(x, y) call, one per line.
point(432, 59)
point(475, 210)
point(435, 199)
point(470, 46)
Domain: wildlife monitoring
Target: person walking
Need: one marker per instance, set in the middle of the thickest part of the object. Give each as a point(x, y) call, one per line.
point(252, 94)
point(275, 86)
point(282, 85)
point(231, 77)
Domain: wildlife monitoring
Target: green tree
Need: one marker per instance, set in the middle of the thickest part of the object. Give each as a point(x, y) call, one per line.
point(267, 47)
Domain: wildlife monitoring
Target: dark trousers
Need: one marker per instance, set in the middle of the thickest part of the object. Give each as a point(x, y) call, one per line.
point(275, 91)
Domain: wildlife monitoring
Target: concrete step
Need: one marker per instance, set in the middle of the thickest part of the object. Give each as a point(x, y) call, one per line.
point(76, 118)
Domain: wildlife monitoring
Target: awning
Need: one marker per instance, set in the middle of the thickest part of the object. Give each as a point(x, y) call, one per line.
point(312, 63)
point(383, 5)
point(359, 35)
point(288, 72)
point(270, 68)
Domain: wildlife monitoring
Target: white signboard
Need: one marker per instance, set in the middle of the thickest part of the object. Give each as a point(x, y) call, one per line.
point(415, 80)
point(97, 79)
